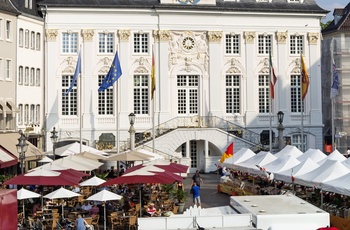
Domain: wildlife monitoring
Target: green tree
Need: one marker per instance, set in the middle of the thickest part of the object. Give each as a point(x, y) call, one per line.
point(325, 25)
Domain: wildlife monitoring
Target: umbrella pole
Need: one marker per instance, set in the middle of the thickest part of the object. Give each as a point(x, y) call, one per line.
point(62, 212)
point(24, 212)
point(104, 218)
point(140, 199)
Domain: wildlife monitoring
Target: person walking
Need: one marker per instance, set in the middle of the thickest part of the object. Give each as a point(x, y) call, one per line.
point(196, 194)
point(81, 223)
point(197, 178)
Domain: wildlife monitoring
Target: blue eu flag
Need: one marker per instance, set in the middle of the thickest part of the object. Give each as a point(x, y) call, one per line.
point(113, 74)
point(76, 74)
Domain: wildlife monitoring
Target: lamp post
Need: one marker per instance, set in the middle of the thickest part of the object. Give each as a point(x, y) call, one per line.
point(22, 147)
point(132, 131)
point(280, 128)
point(54, 139)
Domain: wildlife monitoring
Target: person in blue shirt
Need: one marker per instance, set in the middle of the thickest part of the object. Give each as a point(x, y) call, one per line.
point(196, 194)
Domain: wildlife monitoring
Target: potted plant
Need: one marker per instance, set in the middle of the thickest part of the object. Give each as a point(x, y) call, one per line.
point(181, 197)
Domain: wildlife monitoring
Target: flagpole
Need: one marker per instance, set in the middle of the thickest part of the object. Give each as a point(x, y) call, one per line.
point(153, 98)
point(80, 103)
point(117, 115)
point(270, 101)
point(332, 99)
point(302, 102)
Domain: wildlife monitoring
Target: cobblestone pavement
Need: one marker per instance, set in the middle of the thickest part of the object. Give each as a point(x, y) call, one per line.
point(208, 192)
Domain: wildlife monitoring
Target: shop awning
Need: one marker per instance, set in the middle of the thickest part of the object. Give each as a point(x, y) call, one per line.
point(9, 142)
point(12, 106)
point(6, 158)
point(8, 106)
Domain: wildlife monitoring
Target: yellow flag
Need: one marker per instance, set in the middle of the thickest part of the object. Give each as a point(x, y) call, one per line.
point(153, 77)
point(304, 79)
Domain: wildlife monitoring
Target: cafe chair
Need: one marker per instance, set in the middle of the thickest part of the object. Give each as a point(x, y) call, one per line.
point(94, 222)
point(133, 222)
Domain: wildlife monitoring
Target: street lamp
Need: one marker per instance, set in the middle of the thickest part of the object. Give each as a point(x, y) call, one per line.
point(132, 131)
point(54, 139)
point(22, 147)
point(280, 128)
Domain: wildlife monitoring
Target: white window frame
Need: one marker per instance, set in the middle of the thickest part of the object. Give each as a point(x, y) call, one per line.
point(26, 114)
point(8, 69)
point(37, 114)
point(1, 29)
point(233, 94)
point(296, 44)
point(38, 41)
point(296, 141)
point(141, 43)
point(32, 40)
point(32, 75)
point(20, 114)
point(106, 43)
point(295, 94)
point(37, 77)
point(26, 39)
point(32, 114)
point(264, 44)
point(187, 94)
point(141, 94)
point(2, 72)
point(232, 44)
point(264, 93)
point(20, 37)
point(26, 75)
point(70, 42)
point(20, 75)
point(8, 30)
point(69, 103)
point(105, 99)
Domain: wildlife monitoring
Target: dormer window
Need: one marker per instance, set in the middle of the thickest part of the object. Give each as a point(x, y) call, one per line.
point(296, 1)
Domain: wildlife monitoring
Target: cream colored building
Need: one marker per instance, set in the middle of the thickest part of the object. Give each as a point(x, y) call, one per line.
point(212, 74)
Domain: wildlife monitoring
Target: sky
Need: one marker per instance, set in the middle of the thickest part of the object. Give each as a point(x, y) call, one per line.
point(330, 5)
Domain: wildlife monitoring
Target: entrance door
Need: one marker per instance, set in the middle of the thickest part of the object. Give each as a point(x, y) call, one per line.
point(195, 161)
point(187, 94)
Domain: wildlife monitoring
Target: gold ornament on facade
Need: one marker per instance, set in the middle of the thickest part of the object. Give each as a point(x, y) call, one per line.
point(313, 38)
point(161, 35)
point(214, 36)
point(87, 35)
point(281, 37)
point(124, 35)
point(233, 70)
point(51, 35)
point(249, 37)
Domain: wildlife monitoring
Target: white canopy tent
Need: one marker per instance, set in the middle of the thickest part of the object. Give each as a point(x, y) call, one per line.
point(335, 155)
point(341, 185)
point(261, 159)
point(315, 155)
point(300, 169)
point(289, 150)
point(282, 163)
point(329, 170)
point(239, 156)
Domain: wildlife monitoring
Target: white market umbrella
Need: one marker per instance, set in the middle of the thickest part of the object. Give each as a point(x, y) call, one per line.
point(45, 160)
point(26, 194)
point(103, 196)
point(93, 181)
point(74, 148)
point(129, 156)
point(61, 193)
